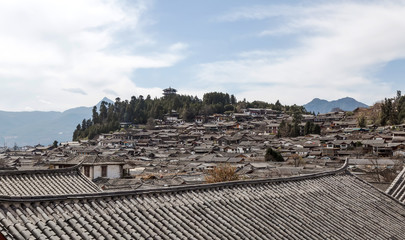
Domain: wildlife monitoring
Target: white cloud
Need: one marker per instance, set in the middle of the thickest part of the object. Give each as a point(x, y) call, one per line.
point(75, 90)
point(340, 46)
point(52, 50)
point(260, 12)
point(178, 47)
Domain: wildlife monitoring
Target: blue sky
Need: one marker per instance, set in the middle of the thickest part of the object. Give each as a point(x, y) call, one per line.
point(56, 55)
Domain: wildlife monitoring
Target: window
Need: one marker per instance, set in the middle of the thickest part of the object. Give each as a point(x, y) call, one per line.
point(87, 171)
point(103, 171)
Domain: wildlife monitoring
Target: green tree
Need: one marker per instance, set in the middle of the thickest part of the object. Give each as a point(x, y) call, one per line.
point(278, 106)
point(307, 128)
point(393, 110)
point(95, 117)
point(55, 144)
point(233, 100)
point(84, 124)
point(187, 114)
point(362, 121)
point(103, 112)
point(284, 129)
point(229, 108)
point(273, 156)
point(76, 133)
point(295, 130)
point(316, 129)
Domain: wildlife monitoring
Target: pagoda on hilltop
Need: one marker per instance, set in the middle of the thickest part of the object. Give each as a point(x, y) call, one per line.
point(169, 91)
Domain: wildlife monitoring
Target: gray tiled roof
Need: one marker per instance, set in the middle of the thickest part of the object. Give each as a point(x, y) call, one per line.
point(45, 182)
point(397, 188)
point(92, 160)
point(335, 205)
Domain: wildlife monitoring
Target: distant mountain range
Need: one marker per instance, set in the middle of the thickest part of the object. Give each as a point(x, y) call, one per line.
point(31, 128)
point(323, 106)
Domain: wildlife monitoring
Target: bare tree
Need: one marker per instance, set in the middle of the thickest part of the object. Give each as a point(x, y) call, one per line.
point(297, 160)
point(222, 173)
point(390, 174)
point(376, 170)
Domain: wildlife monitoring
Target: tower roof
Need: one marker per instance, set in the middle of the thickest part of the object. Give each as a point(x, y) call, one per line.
point(169, 91)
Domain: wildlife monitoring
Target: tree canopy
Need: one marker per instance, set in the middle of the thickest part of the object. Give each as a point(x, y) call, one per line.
point(273, 155)
point(393, 110)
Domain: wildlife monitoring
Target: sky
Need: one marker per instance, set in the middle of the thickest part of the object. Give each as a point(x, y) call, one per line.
point(56, 55)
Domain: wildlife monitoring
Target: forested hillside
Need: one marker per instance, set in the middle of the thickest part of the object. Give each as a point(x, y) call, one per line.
point(139, 110)
point(389, 112)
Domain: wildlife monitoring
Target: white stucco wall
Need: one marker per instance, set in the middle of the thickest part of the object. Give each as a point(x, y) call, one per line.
point(113, 171)
point(97, 171)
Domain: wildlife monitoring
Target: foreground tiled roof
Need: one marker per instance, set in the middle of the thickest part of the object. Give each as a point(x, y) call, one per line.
point(45, 182)
point(334, 205)
point(397, 188)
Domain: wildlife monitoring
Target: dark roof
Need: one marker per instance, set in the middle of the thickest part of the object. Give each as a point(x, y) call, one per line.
point(45, 182)
point(334, 205)
point(92, 160)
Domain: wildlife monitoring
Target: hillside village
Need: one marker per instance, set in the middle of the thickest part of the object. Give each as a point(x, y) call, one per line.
point(193, 120)
point(222, 176)
point(174, 152)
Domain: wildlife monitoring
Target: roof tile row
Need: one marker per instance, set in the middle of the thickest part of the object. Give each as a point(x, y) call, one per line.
point(333, 206)
point(45, 182)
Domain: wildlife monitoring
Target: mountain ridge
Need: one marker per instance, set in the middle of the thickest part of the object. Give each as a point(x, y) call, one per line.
point(41, 127)
point(318, 105)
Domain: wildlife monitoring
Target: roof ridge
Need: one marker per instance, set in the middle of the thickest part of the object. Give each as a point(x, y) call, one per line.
point(342, 169)
point(392, 188)
point(41, 171)
point(381, 191)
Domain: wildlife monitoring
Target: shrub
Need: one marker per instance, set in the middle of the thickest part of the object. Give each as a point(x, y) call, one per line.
point(222, 173)
point(298, 161)
point(272, 155)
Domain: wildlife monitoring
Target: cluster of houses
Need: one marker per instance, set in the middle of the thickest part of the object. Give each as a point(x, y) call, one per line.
point(116, 185)
point(174, 152)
